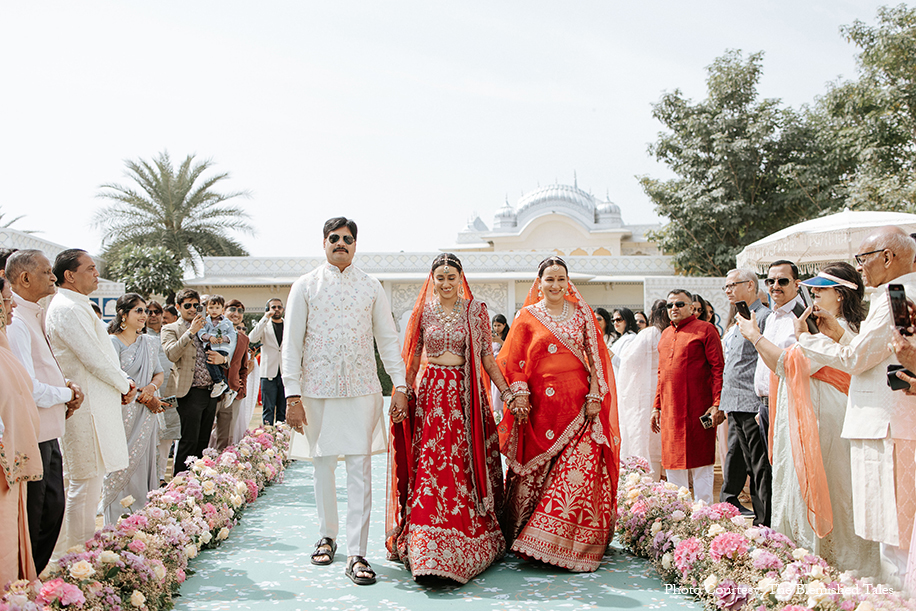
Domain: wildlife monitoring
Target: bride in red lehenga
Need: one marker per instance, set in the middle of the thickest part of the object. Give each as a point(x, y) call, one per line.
point(560, 435)
point(445, 476)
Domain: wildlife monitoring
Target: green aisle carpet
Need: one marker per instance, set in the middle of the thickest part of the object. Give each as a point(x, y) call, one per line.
point(265, 565)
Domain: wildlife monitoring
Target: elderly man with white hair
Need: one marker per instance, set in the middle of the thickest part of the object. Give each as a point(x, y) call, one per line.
point(880, 423)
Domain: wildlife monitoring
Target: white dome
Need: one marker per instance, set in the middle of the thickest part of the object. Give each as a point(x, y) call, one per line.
point(557, 193)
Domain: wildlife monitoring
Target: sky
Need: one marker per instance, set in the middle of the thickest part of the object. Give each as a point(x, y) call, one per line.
point(409, 117)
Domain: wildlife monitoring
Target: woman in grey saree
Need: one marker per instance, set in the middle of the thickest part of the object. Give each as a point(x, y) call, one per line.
point(138, 354)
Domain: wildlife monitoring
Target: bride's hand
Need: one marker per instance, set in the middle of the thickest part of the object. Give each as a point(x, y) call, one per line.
point(592, 408)
point(520, 407)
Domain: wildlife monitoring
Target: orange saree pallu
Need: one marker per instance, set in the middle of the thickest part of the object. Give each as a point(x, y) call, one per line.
point(563, 468)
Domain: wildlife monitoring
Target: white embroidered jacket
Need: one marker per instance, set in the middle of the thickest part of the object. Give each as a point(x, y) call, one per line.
point(331, 319)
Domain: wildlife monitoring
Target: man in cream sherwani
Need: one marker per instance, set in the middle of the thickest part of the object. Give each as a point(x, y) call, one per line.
point(880, 423)
point(333, 391)
point(94, 442)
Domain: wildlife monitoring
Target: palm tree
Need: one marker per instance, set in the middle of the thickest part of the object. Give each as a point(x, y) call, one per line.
point(172, 209)
point(9, 224)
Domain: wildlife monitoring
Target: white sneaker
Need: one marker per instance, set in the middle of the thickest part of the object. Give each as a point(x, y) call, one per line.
point(229, 397)
point(218, 389)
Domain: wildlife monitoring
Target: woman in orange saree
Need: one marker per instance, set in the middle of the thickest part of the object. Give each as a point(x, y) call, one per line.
point(445, 475)
point(560, 435)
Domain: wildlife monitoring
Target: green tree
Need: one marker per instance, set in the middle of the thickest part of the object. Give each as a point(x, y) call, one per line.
point(872, 120)
point(147, 270)
point(173, 208)
point(744, 168)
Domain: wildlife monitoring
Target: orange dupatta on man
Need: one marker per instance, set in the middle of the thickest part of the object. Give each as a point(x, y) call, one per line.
point(561, 488)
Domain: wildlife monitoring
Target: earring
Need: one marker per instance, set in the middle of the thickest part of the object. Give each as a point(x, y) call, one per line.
point(122, 325)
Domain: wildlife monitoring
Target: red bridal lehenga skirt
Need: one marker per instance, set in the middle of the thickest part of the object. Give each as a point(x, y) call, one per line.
point(443, 533)
point(561, 512)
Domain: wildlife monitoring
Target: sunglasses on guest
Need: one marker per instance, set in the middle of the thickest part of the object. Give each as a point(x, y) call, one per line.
point(153, 311)
point(196, 306)
point(780, 281)
point(616, 320)
point(676, 304)
point(140, 310)
point(335, 238)
point(234, 309)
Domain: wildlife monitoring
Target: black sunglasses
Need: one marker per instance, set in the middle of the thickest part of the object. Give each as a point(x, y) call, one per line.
point(233, 309)
point(675, 304)
point(780, 281)
point(617, 319)
point(141, 310)
point(196, 306)
point(335, 238)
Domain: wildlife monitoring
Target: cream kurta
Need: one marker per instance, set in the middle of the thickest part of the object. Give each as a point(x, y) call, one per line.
point(95, 432)
point(875, 416)
point(328, 358)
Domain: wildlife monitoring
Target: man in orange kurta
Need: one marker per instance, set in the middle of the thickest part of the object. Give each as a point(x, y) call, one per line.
point(690, 365)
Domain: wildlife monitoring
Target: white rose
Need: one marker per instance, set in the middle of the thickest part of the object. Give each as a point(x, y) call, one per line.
point(137, 599)
point(677, 515)
point(127, 501)
point(817, 572)
point(714, 530)
point(683, 494)
point(210, 472)
point(799, 553)
point(197, 511)
point(710, 583)
point(81, 570)
point(189, 501)
point(632, 478)
point(209, 487)
point(670, 486)
point(206, 537)
point(785, 591)
point(656, 527)
point(223, 534)
point(190, 550)
point(241, 488)
point(108, 557)
point(865, 606)
point(269, 453)
point(755, 553)
point(767, 585)
point(237, 501)
point(816, 592)
point(740, 521)
point(160, 571)
point(666, 561)
point(245, 452)
point(199, 464)
point(753, 533)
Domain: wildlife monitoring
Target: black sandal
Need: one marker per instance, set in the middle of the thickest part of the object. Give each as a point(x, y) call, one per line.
point(353, 567)
point(325, 547)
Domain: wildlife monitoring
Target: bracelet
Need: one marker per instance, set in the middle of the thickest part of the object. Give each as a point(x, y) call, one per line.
point(504, 393)
point(593, 397)
point(758, 339)
point(401, 389)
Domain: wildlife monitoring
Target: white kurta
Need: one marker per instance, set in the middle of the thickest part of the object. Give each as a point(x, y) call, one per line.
point(637, 378)
point(328, 358)
point(95, 432)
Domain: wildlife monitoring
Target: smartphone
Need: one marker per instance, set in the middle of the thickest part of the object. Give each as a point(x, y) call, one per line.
point(168, 402)
point(743, 310)
point(899, 310)
point(893, 381)
point(706, 419)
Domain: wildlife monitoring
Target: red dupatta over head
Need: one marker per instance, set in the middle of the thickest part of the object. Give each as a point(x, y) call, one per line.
point(604, 429)
point(401, 467)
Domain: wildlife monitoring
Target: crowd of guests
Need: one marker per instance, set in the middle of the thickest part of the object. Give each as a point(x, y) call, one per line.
point(501, 436)
point(91, 412)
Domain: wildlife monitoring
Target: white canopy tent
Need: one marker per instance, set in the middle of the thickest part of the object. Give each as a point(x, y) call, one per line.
point(829, 238)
